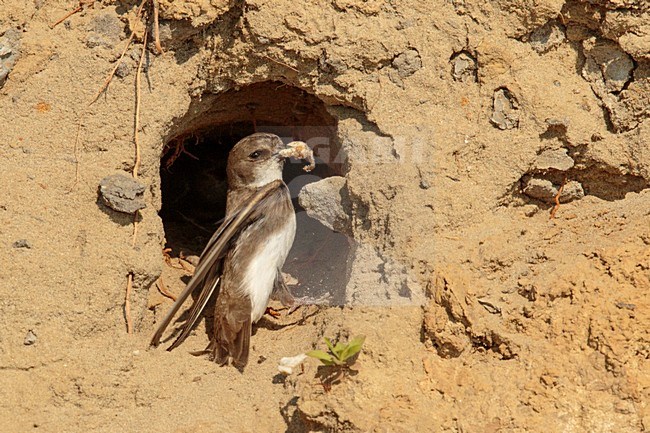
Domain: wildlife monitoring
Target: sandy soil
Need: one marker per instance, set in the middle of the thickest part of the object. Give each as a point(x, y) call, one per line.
point(455, 125)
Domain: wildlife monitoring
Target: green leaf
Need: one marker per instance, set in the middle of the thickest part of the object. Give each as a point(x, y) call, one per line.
point(338, 349)
point(353, 347)
point(319, 354)
point(330, 346)
point(325, 358)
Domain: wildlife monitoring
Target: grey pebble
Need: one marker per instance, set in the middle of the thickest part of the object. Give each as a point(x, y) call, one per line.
point(22, 243)
point(5, 51)
point(626, 305)
point(555, 122)
point(572, 191)
point(464, 67)
point(505, 109)
point(548, 36)
point(4, 73)
point(331, 63)
point(546, 191)
point(108, 25)
point(9, 52)
point(122, 193)
point(405, 24)
point(30, 338)
point(541, 189)
point(136, 53)
point(407, 63)
point(607, 65)
point(123, 69)
point(166, 33)
point(96, 40)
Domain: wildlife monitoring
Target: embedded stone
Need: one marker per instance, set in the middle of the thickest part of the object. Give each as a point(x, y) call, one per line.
point(122, 193)
point(327, 201)
point(546, 37)
point(464, 67)
point(554, 158)
point(505, 110)
point(546, 191)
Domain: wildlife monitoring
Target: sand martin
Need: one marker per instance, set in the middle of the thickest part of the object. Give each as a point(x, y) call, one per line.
point(241, 263)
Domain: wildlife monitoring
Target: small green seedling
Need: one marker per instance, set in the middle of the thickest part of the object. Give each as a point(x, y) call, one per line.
point(340, 355)
point(337, 361)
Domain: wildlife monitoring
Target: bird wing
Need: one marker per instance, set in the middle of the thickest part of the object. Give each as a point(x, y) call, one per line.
point(209, 286)
point(209, 266)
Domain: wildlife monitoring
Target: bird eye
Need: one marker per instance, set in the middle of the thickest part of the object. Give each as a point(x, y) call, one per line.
point(255, 154)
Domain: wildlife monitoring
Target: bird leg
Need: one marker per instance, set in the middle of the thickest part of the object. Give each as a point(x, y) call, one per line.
point(273, 312)
point(281, 293)
point(304, 301)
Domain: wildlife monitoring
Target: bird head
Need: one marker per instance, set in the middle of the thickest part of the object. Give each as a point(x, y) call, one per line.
point(255, 161)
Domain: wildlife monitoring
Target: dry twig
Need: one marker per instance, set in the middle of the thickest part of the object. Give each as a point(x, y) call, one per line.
point(129, 281)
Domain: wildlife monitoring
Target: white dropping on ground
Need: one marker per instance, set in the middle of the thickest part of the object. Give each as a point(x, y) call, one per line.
point(288, 363)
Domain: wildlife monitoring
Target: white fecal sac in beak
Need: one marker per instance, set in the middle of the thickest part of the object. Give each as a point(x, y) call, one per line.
point(299, 150)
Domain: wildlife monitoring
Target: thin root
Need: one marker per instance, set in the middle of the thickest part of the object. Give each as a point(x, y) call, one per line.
point(163, 290)
point(280, 63)
point(119, 60)
point(75, 150)
point(169, 261)
point(137, 162)
point(127, 303)
point(179, 148)
point(187, 266)
point(129, 281)
point(557, 199)
point(136, 165)
point(156, 27)
point(79, 8)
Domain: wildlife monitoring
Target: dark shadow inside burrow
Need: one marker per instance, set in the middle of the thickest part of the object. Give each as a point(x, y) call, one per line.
point(193, 176)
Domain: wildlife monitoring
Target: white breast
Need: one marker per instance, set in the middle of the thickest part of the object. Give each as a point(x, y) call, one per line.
point(260, 275)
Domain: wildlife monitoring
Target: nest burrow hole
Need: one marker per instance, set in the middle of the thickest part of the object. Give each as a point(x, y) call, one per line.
point(193, 176)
